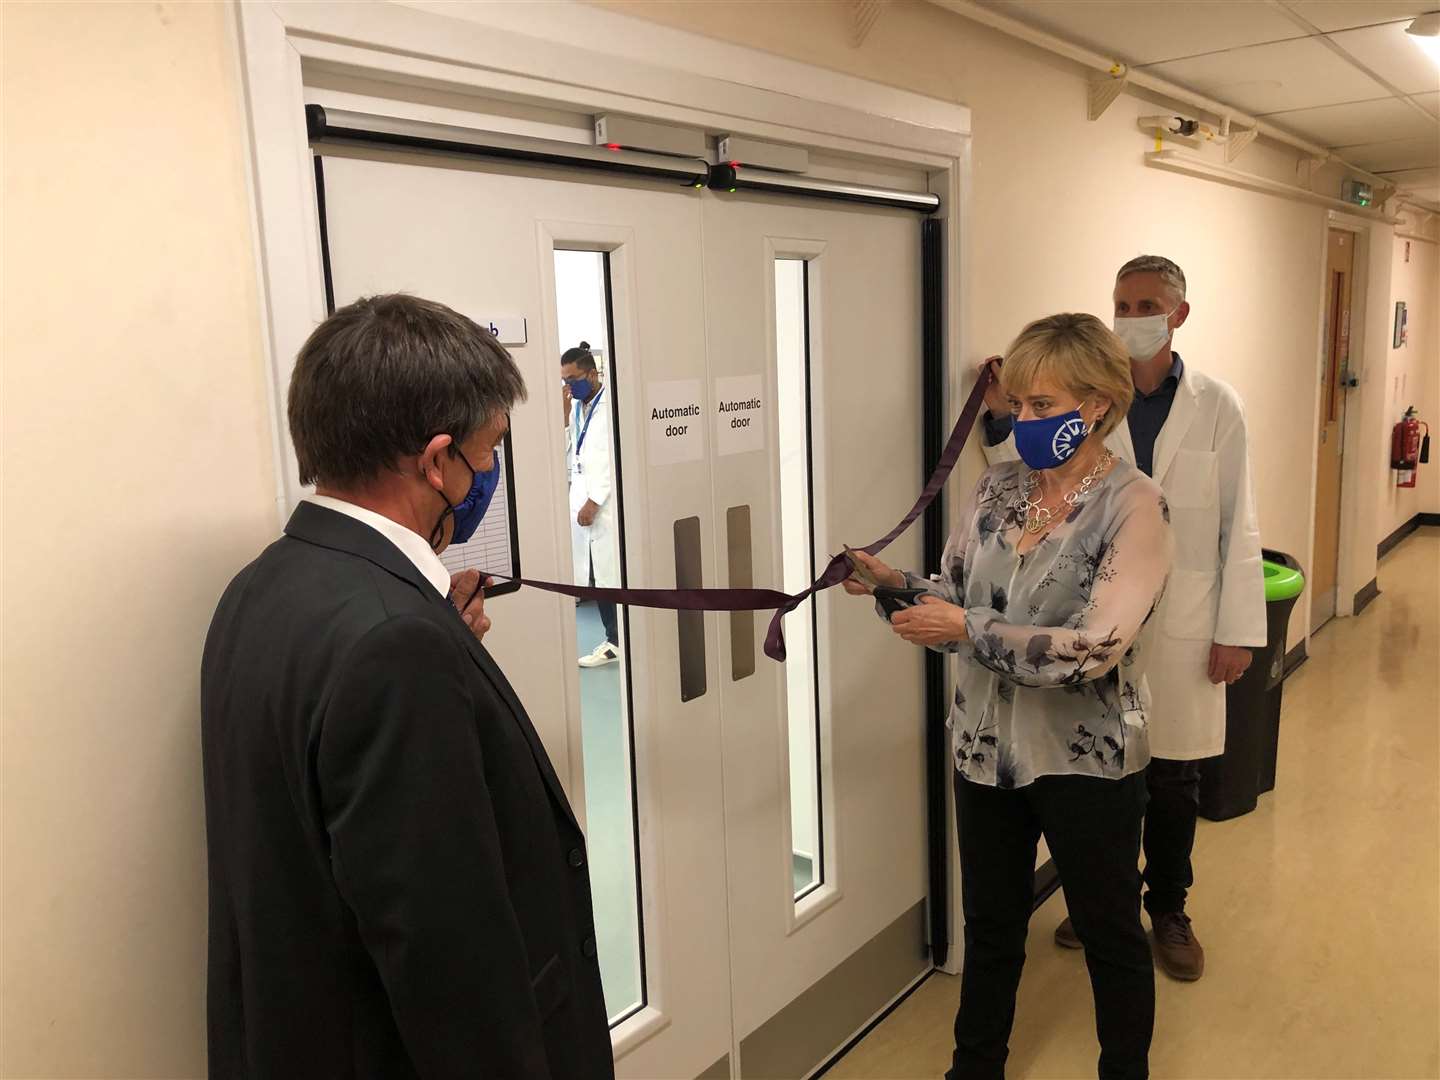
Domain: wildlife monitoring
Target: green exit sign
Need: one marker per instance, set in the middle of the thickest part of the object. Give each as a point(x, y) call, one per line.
point(1357, 192)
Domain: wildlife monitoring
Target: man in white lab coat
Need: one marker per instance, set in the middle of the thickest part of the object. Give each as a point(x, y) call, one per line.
point(594, 533)
point(1187, 431)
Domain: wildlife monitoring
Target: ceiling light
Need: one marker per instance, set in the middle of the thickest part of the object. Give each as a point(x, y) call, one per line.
point(1425, 32)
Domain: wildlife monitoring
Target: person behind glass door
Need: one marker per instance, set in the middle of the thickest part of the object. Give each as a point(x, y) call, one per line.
point(1187, 430)
point(594, 533)
point(1044, 588)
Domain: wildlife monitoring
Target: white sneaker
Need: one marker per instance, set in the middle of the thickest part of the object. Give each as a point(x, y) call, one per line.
point(604, 653)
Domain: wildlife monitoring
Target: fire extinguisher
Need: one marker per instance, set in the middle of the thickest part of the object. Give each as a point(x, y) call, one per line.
point(1407, 449)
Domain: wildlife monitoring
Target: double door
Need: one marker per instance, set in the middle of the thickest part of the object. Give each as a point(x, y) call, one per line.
point(757, 831)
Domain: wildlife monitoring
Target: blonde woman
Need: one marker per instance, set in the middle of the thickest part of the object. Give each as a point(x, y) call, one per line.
point(1053, 571)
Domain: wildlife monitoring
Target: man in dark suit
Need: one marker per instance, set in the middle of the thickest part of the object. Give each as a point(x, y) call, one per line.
point(398, 886)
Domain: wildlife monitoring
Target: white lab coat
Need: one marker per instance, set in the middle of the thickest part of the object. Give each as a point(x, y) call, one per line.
point(592, 478)
point(1216, 592)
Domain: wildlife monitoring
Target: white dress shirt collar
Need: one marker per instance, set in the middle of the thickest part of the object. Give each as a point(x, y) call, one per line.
point(411, 545)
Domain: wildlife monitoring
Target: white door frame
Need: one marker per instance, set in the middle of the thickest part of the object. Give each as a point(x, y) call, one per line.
point(395, 43)
point(546, 54)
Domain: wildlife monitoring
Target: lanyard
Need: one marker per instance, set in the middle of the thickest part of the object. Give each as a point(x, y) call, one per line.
point(580, 441)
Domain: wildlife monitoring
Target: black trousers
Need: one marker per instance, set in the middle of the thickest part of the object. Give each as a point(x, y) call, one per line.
point(609, 618)
point(1092, 827)
point(1170, 833)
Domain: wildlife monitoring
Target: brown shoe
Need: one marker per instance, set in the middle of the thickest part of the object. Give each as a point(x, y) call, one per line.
point(1065, 935)
point(1179, 954)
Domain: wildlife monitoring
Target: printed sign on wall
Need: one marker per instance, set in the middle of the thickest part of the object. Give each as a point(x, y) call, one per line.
point(739, 414)
point(509, 329)
point(675, 418)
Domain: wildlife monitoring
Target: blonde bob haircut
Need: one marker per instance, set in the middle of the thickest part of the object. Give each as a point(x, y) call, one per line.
point(1080, 354)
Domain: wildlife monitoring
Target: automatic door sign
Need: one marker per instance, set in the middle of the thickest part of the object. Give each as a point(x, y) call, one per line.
point(739, 414)
point(675, 419)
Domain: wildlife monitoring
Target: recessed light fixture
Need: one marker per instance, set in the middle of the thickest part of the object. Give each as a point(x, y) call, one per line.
point(1425, 32)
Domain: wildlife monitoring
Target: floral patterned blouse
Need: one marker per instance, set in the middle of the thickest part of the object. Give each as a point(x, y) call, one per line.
point(1051, 680)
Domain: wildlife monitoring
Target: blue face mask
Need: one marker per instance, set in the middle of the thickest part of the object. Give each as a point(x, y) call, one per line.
point(470, 511)
point(580, 389)
point(1052, 441)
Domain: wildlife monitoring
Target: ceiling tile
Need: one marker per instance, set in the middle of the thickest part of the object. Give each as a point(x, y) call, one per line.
point(1430, 102)
point(1358, 122)
point(1343, 14)
point(1270, 78)
point(1393, 54)
point(1150, 32)
point(1393, 156)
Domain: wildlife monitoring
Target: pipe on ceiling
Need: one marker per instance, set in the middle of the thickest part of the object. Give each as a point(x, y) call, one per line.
point(1117, 69)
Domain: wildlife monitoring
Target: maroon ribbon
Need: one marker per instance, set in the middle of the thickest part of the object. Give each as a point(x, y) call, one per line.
point(835, 572)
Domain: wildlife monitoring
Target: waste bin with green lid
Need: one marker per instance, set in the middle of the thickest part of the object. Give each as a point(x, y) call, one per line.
point(1282, 582)
point(1231, 784)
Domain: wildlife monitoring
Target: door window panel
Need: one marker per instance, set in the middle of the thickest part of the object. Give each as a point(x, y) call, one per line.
point(797, 526)
point(583, 301)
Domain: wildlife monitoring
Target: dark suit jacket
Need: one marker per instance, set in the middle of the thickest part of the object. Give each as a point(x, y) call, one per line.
point(398, 887)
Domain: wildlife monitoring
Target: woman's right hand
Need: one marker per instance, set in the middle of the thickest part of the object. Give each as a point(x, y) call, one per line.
point(878, 570)
point(995, 399)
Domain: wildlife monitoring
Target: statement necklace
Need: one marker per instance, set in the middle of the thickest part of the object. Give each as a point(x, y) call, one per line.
point(1037, 517)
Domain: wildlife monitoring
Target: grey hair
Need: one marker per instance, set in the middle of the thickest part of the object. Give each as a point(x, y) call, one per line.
point(1169, 273)
point(379, 379)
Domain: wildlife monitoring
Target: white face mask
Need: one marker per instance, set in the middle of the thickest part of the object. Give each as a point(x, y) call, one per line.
point(1144, 336)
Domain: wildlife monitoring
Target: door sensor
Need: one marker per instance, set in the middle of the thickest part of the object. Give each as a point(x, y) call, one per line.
point(738, 150)
point(628, 133)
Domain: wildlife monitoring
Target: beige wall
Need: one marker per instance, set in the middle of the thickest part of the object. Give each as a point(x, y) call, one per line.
point(1059, 202)
point(137, 455)
point(1413, 377)
point(137, 480)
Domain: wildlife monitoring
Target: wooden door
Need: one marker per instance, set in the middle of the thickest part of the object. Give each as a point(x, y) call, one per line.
point(1330, 446)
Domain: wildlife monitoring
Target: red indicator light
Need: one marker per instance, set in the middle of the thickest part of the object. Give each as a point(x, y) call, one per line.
point(735, 164)
point(612, 146)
